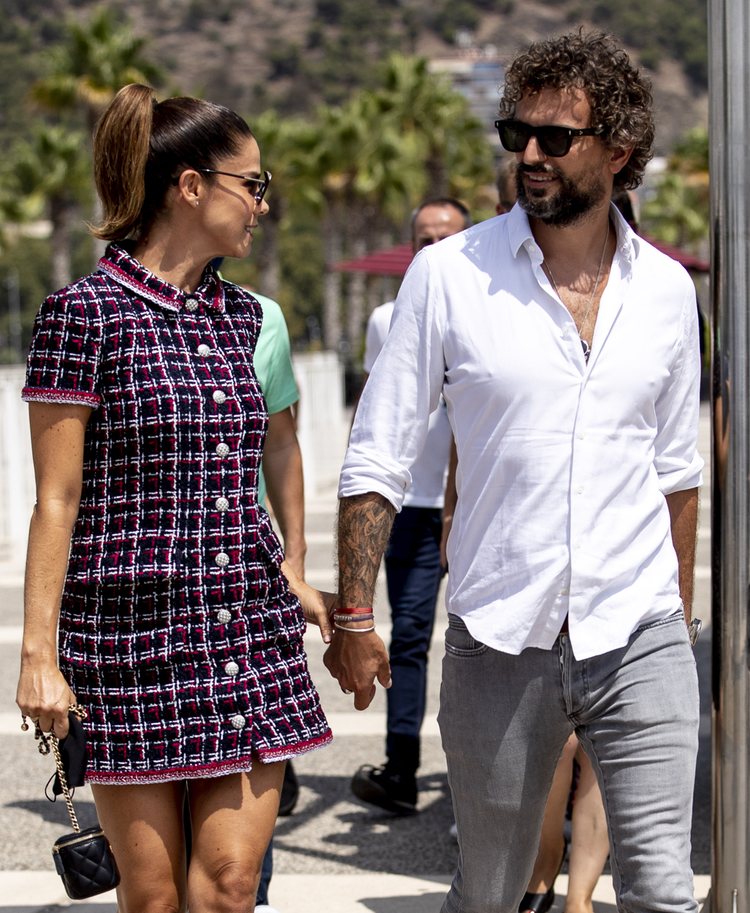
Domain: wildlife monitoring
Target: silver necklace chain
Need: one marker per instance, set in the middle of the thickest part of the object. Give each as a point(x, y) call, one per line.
point(548, 270)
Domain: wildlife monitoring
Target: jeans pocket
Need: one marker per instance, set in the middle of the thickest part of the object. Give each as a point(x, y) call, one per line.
point(458, 640)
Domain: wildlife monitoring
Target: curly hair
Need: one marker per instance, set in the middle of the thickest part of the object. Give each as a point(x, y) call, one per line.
point(619, 95)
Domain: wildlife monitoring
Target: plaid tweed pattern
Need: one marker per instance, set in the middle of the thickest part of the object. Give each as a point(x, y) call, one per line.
point(177, 629)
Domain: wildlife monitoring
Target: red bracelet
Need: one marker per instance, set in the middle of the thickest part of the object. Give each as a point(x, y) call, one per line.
point(357, 610)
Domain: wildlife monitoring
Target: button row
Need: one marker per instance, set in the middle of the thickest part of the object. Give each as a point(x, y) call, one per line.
point(221, 559)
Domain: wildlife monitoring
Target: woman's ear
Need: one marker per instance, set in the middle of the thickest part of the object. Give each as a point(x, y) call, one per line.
point(190, 187)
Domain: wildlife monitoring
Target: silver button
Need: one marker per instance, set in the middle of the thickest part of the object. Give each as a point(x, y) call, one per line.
point(222, 559)
point(191, 305)
point(238, 721)
point(231, 668)
point(223, 616)
point(219, 397)
point(222, 504)
point(222, 449)
point(204, 350)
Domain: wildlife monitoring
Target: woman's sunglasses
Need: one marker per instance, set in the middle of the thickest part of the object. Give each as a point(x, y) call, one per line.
point(553, 140)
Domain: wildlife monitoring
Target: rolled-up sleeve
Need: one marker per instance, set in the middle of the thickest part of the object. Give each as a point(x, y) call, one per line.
point(404, 387)
point(677, 461)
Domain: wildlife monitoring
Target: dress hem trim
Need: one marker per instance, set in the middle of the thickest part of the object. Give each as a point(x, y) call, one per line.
point(206, 771)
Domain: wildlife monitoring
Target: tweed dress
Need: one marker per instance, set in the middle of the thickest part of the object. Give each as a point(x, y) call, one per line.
point(177, 630)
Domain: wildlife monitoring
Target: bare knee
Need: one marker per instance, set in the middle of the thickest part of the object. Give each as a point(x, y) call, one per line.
point(229, 888)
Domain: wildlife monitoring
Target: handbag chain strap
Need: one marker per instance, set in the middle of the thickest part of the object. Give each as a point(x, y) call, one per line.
point(49, 741)
point(64, 784)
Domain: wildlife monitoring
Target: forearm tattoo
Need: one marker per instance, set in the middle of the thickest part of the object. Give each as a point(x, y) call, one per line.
point(364, 527)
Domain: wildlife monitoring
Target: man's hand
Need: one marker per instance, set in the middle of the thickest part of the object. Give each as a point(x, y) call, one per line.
point(357, 660)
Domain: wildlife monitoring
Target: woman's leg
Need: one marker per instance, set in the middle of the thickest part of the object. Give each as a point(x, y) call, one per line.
point(233, 819)
point(551, 844)
point(589, 846)
point(144, 826)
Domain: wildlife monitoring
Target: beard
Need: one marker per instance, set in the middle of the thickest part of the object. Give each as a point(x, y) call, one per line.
point(566, 207)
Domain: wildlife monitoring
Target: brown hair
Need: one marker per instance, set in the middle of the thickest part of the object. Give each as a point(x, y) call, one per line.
point(619, 95)
point(141, 147)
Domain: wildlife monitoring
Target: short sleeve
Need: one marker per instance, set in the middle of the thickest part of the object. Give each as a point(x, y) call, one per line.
point(273, 359)
point(62, 366)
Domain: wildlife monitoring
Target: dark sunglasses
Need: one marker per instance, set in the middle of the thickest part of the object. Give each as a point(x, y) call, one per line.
point(553, 140)
point(256, 186)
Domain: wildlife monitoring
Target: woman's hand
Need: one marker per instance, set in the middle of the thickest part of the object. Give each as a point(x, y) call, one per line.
point(44, 696)
point(317, 605)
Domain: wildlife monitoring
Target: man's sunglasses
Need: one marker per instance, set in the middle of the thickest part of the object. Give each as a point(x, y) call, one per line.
point(553, 140)
point(256, 186)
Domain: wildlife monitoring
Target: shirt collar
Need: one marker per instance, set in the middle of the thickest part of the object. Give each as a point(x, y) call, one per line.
point(519, 235)
point(121, 265)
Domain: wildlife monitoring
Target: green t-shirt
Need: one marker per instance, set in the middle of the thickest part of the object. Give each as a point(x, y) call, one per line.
point(273, 366)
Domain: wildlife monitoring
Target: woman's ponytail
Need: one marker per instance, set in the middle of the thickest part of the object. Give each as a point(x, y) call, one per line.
point(121, 150)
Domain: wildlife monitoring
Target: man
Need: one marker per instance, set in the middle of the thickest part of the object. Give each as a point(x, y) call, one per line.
point(566, 349)
point(412, 561)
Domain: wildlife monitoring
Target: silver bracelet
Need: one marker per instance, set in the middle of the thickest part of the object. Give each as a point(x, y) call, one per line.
point(354, 630)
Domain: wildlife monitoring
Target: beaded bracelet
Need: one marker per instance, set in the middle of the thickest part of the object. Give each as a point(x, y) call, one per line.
point(354, 630)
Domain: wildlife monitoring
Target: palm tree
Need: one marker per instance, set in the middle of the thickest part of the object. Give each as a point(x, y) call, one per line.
point(94, 62)
point(677, 213)
point(97, 59)
point(49, 175)
point(452, 143)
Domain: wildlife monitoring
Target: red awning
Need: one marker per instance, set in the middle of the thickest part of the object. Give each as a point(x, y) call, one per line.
point(394, 261)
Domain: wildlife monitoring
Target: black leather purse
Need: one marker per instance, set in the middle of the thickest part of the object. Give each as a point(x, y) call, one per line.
point(83, 859)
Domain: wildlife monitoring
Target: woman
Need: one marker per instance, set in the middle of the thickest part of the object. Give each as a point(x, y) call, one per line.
point(178, 630)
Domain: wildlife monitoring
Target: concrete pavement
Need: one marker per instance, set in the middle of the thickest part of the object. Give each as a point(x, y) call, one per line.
point(332, 855)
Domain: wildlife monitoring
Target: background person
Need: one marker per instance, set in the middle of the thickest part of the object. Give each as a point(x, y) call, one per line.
point(412, 561)
point(179, 631)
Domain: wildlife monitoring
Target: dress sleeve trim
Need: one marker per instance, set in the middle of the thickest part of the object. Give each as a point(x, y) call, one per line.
point(51, 395)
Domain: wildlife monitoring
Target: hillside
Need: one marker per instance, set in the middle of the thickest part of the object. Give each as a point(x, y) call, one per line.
point(294, 54)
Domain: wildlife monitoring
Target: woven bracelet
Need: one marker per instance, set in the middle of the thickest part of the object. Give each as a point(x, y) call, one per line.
point(354, 610)
point(340, 616)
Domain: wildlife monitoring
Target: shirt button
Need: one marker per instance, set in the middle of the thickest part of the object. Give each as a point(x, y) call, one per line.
point(222, 449)
point(219, 397)
point(231, 668)
point(222, 504)
point(204, 350)
point(238, 721)
point(579, 490)
point(222, 559)
point(223, 616)
point(191, 305)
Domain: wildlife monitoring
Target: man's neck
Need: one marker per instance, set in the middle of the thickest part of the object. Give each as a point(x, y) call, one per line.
point(575, 248)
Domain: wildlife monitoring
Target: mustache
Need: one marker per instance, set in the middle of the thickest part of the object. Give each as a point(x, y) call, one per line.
point(536, 169)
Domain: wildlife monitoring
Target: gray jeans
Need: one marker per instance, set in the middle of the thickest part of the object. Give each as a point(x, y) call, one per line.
point(504, 720)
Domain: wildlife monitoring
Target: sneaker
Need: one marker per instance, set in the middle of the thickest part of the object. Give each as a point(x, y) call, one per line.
point(396, 793)
point(289, 793)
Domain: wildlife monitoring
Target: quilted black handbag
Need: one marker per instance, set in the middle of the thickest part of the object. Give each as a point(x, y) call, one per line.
point(83, 859)
point(85, 863)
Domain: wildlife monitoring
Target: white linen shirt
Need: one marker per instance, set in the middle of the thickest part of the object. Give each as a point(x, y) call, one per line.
point(563, 466)
point(430, 469)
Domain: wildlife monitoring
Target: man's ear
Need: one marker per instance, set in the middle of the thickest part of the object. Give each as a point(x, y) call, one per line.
point(618, 158)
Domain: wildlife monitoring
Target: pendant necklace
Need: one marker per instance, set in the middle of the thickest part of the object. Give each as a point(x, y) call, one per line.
point(546, 268)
